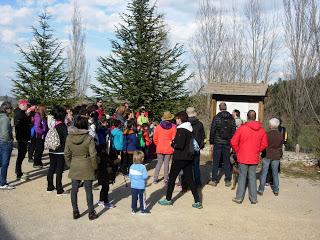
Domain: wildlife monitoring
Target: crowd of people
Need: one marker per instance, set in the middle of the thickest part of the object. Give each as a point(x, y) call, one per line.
point(97, 145)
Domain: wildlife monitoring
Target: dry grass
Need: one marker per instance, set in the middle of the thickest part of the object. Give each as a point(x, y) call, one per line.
point(299, 170)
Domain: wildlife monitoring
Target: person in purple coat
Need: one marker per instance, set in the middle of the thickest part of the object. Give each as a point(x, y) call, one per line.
point(41, 129)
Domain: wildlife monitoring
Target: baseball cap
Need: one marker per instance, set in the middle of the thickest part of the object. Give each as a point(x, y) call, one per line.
point(23, 101)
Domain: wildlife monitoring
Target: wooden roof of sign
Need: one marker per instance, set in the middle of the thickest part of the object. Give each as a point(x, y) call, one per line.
point(235, 89)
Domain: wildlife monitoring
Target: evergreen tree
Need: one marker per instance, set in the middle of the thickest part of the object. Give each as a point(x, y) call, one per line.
point(142, 67)
point(41, 74)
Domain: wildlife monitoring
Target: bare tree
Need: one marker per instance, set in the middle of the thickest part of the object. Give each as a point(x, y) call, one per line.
point(260, 42)
point(78, 67)
point(207, 43)
point(303, 63)
point(235, 61)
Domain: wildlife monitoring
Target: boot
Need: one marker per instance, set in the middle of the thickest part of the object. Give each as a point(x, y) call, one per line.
point(93, 215)
point(76, 214)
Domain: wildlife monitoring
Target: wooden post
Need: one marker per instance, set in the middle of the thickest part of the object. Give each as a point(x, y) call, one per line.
point(213, 107)
point(261, 111)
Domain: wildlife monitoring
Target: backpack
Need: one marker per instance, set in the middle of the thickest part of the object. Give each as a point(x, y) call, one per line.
point(52, 140)
point(194, 146)
point(226, 128)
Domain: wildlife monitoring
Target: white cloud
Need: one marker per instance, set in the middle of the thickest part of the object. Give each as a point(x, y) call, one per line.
point(7, 36)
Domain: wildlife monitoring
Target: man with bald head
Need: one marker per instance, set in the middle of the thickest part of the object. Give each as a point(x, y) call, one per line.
point(248, 142)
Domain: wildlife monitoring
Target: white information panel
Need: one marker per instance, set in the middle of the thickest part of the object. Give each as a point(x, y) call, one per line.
point(243, 107)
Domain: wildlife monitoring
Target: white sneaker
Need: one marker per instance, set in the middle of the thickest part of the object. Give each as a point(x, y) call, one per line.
point(7, 187)
point(133, 212)
point(101, 203)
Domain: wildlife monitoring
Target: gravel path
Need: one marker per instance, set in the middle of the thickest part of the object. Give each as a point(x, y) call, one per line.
point(29, 212)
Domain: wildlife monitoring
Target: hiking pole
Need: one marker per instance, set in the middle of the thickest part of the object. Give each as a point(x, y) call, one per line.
point(125, 180)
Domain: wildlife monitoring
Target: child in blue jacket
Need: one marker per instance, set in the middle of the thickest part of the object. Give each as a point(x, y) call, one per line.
point(138, 176)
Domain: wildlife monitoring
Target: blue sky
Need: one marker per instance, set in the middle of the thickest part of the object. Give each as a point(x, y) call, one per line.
point(99, 17)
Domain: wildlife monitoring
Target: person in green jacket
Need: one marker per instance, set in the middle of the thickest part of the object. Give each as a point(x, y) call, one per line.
point(81, 156)
point(142, 118)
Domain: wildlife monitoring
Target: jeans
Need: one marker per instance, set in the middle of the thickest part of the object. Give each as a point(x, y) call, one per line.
point(135, 194)
point(275, 167)
point(224, 151)
point(74, 194)
point(56, 166)
point(247, 172)
point(176, 167)
point(22, 151)
point(5, 154)
point(165, 160)
point(38, 151)
point(196, 169)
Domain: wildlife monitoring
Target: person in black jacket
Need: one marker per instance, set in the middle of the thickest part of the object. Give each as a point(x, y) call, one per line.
point(22, 123)
point(222, 129)
point(182, 160)
point(199, 135)
point(57, 161)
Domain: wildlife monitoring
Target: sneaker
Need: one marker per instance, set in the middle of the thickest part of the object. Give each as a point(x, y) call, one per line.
point(62, 194)
point(260, 193)
point(101, 203)
point(213, 183)
point(254, 202)
point(76, 215)
point(133, 212)
point(197, 205)
point(276, 193)
point(237, 200)
point(165, 202)
point(227, 184)
point(93, 215)
point(144, 212)
point(7, 187)
point(109, 205)
point(24, 177)
point(155, 181)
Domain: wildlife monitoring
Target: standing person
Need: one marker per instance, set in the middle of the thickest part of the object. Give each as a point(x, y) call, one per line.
point(106, 158)
point(41, 129)
point(222, 129)
point(273, 155)
point(81, 156)
point(120, 115)
point(22, 123)
point(142, 109)
point(100, 109)
point(182, 160)
point(142, 118)
point(69, 119)
point(130, 144)
point(57, 156)
point(138, 175)
point(32, 143)
point(236, 116)
point(6, 144)
point(248, 142)
point(199, 135)
point(117, 137)
point(163, 137)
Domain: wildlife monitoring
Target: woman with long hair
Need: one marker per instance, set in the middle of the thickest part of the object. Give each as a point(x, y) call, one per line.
point(41, 129)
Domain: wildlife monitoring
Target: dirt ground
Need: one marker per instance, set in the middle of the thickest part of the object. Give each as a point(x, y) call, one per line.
point(29, 212)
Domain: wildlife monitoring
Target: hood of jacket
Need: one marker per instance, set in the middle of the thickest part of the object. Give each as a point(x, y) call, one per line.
point(78, 136)
point(194, 121)
point(186, 125)
point(128, 132)
point(166, 125)
point(225, 115)
point(254, 125)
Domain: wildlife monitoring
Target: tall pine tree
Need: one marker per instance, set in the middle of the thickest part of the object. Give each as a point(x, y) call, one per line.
point(142, 67)
point(41, 74)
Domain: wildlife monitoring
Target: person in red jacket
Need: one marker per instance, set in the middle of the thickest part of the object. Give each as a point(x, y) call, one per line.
point(248, 142)
point(163, 137)
point(100, 109)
